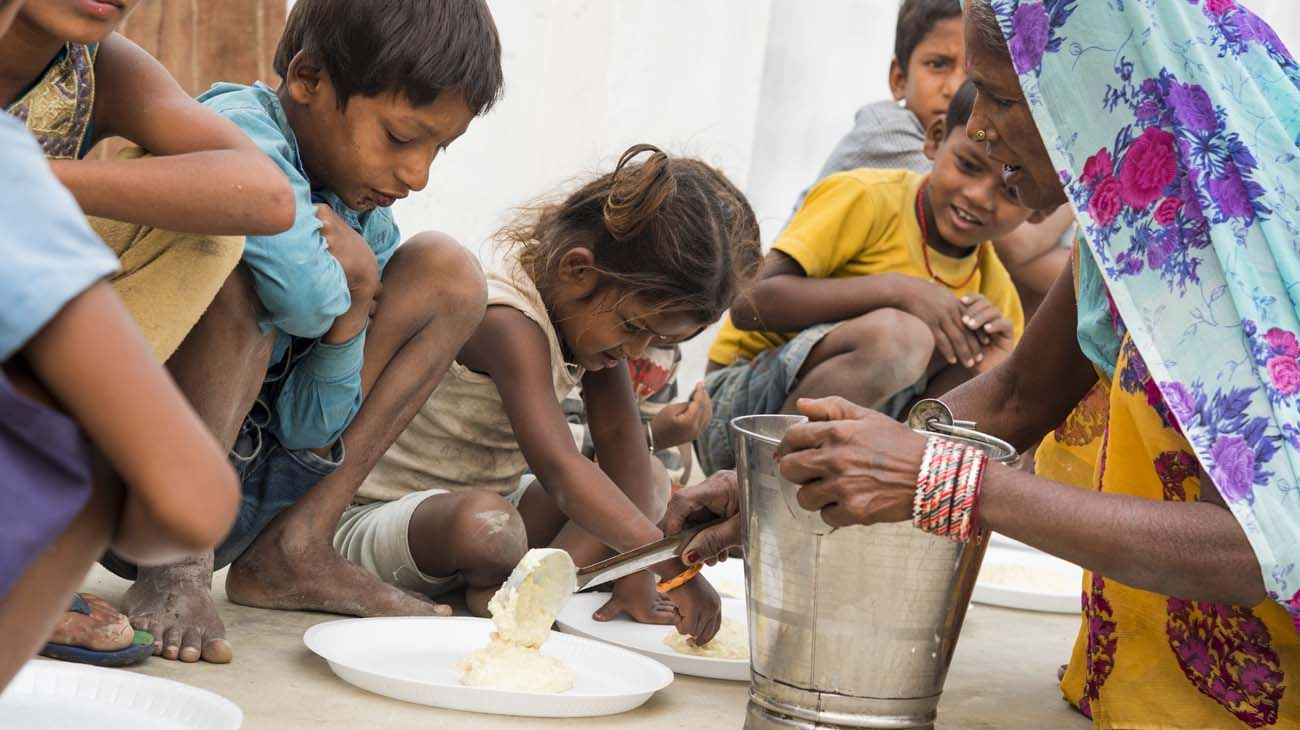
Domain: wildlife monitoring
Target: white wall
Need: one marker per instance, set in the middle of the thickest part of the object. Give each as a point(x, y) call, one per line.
point(761, 88)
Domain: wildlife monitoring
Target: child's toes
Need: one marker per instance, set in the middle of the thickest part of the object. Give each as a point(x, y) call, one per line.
point(172, 642)
point(610, 611)
point(191, 646)
point(217, 651)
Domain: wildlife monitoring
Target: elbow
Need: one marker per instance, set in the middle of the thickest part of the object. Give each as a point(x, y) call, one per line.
point(278, 207)
point(207, 520)
point(744, 315)
point(274, 206)
point(181, 528)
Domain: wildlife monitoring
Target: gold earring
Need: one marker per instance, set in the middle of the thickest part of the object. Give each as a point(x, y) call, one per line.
point(980, 135)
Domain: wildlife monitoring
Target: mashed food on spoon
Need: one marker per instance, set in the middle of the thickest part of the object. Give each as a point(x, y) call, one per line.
point(523, 611)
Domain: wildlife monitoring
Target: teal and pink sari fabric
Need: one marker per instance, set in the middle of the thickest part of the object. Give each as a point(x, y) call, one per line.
point(1175, 127)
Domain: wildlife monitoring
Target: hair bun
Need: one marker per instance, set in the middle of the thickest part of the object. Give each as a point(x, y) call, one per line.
point(638, 191)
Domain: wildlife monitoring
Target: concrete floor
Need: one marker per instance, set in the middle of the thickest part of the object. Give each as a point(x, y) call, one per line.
point(1003, 676)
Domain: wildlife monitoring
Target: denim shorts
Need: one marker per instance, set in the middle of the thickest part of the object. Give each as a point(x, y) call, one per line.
point(762, 385)
point(271, 479)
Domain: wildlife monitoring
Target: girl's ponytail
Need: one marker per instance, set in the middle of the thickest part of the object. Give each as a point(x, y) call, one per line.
point(671, 230)
point(638, 193)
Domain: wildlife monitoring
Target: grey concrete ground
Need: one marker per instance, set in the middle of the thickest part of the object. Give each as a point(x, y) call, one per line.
point(1003, 676)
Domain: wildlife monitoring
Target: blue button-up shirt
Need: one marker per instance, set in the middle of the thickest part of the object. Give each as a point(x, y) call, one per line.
point(302, 286)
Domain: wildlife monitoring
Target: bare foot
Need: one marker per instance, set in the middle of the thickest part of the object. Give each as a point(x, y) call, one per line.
point(284, 572)
point(636, 596)
point(103, 630)
point(174, 603)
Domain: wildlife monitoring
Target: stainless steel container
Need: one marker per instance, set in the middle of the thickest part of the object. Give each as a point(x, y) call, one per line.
point(848, 628)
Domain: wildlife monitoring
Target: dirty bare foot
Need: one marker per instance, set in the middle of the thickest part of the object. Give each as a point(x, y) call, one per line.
point(174, 603)
point(103, 630)
point(636, 596)
point(282, 571)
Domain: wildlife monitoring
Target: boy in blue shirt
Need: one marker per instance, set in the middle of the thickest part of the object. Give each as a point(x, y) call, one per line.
point(373, 90)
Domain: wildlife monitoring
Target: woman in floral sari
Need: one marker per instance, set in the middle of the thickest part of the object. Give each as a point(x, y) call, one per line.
point(1173, 129)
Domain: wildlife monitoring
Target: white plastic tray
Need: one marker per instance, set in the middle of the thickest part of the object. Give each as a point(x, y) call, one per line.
point(1015, 575)
point(49, 695)
point(649, 639)
point(412, 659)
point(728, 577)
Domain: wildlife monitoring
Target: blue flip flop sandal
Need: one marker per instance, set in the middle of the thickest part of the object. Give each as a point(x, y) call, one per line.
point(141, 646)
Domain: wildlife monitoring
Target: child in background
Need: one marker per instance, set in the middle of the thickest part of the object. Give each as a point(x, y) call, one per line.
point(66, 339)
point(74, 82)
point(372, 91)
point(671, 427)
point(882, 289)
point(927, 68)
point(648, 254)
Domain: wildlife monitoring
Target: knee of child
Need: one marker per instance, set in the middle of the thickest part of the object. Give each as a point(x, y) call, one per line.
point(492, 530)
point(453, 273)
point(894, 335)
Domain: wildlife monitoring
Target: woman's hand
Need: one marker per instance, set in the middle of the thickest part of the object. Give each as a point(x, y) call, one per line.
point(714, 498)
point(682, 423)
point(857, 467)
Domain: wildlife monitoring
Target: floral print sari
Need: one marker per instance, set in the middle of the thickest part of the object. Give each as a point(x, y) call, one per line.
point(1175, 127)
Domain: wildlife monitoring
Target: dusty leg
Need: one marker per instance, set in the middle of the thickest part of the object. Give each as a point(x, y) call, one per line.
point(219, 367)
point(475, 533)
point(433, 299)
point(867, 359)
point(40, 597)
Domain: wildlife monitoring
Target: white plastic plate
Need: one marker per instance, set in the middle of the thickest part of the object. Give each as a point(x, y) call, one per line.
point(649, 640)
point(49, 695)
point(412, 659)
point(1015, 575)
point(728, 577)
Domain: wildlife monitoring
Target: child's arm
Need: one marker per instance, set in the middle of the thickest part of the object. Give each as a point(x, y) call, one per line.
point(181, 494)
point(322, 392)
point(682, 423)
point(622, 450)
point(786, 300)
point(206, 175)
point(513, 350)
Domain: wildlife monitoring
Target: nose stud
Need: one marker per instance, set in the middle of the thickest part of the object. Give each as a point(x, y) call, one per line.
point(980, 135)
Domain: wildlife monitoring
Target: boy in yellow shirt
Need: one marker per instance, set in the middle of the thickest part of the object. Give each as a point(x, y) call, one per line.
point(883, 289)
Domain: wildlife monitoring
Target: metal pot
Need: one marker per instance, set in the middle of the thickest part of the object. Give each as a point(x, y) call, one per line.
point(848, 628)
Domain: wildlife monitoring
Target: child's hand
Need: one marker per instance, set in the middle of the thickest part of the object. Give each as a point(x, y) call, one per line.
point(636, 596)
point(362, 271)
point(943, 312)
point(699, 610)
point(986, 320)
point(682, 423)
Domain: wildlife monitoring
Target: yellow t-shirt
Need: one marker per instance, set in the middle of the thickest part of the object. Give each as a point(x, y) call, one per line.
point(863, 222)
